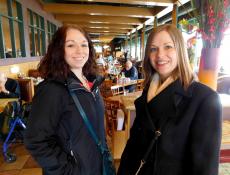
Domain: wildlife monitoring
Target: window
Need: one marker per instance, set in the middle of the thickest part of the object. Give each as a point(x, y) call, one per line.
point(12, 43)
point(37, 34)
point(51, 28)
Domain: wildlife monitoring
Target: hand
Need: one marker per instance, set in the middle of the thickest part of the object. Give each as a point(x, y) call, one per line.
point(2, 87)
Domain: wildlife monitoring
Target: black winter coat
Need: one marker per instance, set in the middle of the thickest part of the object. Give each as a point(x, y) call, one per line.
point(190, 136)
point(13, 87)
point(57, 137)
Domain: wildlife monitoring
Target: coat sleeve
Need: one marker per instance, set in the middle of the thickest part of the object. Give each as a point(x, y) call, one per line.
point(40, 138)
point(205, 138)
point(134, 73)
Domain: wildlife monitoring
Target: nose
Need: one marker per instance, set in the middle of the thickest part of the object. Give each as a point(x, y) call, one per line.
point(160, 52)
point(78, 48)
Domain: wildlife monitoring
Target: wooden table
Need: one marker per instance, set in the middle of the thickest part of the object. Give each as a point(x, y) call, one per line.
point(4, 101)
point(128, 104)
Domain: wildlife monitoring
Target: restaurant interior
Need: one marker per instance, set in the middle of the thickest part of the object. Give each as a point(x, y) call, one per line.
point(119, 30)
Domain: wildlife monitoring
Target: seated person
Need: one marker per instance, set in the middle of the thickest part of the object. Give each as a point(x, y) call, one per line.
point(131, 72)
point(9, 88)
point(100, 60)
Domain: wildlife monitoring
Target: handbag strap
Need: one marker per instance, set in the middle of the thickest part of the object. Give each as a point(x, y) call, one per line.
point(157, 134)
point(86, 121)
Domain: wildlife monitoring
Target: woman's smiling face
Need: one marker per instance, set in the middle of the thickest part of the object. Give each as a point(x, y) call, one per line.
point(76, 49)
point(163, 55)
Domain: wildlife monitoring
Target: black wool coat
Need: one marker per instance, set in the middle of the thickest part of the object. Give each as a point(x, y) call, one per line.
point(190, 136)
point(56, 135)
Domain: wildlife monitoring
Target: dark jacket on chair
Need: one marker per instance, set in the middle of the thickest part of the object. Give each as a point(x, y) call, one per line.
point(56, 135)
point(190, 136)
point(13, 87)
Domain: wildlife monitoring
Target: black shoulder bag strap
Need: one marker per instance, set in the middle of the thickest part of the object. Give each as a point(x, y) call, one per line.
point(157, 134)
point(86, 121)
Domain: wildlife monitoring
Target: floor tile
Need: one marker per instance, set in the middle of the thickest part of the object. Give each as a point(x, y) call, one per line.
point(31, 171)
point(31, 163)
point(17, 165)
point(11, 172)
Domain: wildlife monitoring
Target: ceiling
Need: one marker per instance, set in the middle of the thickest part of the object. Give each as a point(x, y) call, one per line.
point(108, 19)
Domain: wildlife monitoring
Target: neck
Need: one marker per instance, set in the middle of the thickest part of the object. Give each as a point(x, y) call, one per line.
point(77, 72)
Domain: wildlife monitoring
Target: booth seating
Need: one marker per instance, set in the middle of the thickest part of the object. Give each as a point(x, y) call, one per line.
point(33, 73)
point(27, 89)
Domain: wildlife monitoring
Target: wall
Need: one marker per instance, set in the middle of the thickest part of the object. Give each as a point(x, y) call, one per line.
point(23, 68)
point(36, 7)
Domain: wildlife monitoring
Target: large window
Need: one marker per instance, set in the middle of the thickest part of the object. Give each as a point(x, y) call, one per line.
point(51, 29)
point(12, 43)
point(37, 34)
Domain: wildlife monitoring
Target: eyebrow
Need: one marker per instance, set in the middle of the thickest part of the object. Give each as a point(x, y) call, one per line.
point(164, 43)
point(84, 41)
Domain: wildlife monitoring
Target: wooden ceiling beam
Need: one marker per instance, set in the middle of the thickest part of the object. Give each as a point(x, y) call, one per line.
point(134, 2)
point(104, 10)
point(99, 19)
point(104, 26)
point(108, 33)
point(107, 30)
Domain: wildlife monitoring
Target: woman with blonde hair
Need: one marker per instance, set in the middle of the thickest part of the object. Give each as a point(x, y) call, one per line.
point(177, 129)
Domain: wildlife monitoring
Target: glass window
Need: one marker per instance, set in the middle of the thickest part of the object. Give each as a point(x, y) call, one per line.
point(7, 38)
point(17, 40)
point(51, 28)
point(3, 7)
point(14, 10)
point(11, 30)
point(37, 34)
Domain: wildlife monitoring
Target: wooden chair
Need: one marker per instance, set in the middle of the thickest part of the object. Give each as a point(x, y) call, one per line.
point(116, 90)
point(140, 85)
point(33, 73)
point(105, 88)
point(27, 89)
point(111, 107)
point(118, 137)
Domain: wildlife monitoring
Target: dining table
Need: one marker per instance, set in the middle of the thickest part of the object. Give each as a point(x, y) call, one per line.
point(127, 102)
point(4, 102)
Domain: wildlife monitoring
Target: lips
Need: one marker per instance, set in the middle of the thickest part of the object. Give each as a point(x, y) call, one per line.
point(78, 58)
point(162, 62)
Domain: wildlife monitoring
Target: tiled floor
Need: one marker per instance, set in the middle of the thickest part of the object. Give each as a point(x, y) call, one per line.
point(25, 165)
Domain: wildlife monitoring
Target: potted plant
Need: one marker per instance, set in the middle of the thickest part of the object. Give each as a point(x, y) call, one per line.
point(213, 17)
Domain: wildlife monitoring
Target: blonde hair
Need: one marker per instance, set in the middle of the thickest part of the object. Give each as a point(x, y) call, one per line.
point(183, 70)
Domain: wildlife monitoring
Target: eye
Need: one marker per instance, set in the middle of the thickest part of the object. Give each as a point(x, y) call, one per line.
point(69, 45)
point(153, 49)
point(168, 47)
point(84, 45)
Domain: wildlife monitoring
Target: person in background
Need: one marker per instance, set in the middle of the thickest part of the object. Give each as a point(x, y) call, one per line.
point(56, 135)
point(9, 88)
point(100, 60)
point(131, 72)
point(177, 129)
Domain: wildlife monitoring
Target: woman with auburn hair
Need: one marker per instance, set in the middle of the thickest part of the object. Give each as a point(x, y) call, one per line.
point(57, 136)
point(177, 129)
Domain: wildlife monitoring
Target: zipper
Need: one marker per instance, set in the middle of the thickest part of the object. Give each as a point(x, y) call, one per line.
point(74, 157)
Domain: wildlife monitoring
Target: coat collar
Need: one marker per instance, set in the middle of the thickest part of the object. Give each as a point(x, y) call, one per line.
point(181, 98)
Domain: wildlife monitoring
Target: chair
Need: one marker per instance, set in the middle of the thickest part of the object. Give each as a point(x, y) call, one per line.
point(27, 89)
point(34, 73)
point(118, 137)
point(111, 107)
point(116, 90)
point(105, 88)
point(140, 84)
